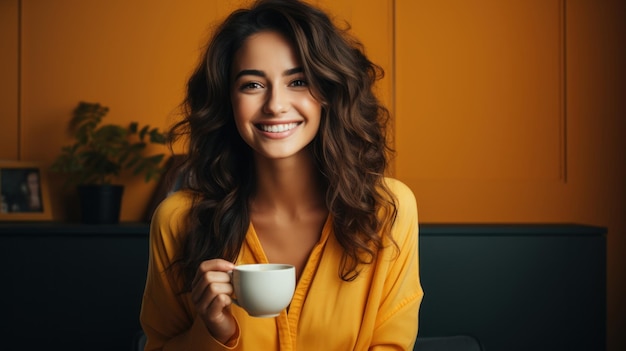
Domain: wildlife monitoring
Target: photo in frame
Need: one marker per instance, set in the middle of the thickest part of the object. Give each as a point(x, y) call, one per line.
point(24, 192)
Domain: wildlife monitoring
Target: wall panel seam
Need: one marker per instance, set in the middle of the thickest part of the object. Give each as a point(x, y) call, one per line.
point(563, 89)
point(19, 79)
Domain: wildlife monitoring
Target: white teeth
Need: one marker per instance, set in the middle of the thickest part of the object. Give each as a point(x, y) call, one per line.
point(277, 128)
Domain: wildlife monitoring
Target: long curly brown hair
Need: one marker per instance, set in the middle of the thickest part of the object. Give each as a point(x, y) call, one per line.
point(350, 148)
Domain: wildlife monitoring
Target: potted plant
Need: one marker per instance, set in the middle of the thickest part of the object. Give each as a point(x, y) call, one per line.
point(99, 154)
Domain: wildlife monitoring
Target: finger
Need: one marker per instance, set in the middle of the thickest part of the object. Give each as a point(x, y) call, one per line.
point(210, 285)
point(212, 265)
point(214, 292)
point(205, 280)
point(210, 277)
point(218, 308)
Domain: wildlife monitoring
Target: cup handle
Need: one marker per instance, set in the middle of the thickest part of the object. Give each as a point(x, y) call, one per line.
point(233, 297)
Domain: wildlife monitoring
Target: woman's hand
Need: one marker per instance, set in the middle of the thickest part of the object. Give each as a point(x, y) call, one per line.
point(210, 293)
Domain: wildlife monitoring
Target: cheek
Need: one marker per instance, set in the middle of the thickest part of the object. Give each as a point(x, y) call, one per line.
point(243, 113)
point(245, 105)
point(314, 109)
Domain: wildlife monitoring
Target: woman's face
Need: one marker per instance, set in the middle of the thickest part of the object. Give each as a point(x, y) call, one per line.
point(274, 110)
point(32, 180)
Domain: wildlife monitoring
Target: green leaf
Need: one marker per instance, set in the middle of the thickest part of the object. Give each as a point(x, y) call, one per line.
point(156, 137)
point(100, 152)
point(143, 131)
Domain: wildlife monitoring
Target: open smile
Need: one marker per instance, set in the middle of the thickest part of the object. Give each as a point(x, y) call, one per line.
point(277, 128)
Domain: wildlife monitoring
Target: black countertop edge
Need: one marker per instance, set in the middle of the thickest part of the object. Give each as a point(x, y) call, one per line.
point(45, 228)
point(511, 229)
point(426, 229)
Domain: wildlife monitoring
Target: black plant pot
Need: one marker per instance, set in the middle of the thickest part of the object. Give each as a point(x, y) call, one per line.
point(100, 204)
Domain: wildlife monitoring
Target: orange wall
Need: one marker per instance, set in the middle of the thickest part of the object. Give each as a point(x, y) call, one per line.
point(9, 39)
point(505, 111)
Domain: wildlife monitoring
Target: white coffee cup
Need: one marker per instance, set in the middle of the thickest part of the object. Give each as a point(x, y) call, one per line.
point(265, 289)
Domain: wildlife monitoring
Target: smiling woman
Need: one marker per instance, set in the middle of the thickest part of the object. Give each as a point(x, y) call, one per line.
point(474, 143)
point(286, 166)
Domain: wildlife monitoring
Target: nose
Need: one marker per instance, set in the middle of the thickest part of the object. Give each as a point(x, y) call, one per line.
point(277, 101)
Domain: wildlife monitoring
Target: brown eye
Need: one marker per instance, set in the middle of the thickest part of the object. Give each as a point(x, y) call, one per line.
point(251, 86)
point(299, 83)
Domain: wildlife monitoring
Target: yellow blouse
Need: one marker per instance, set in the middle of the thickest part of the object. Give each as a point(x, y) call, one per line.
point(377, 311)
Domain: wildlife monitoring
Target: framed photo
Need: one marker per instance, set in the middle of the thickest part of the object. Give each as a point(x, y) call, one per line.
point(23, 192)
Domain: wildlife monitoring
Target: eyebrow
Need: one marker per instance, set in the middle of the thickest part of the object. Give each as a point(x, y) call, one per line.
point(258, 73)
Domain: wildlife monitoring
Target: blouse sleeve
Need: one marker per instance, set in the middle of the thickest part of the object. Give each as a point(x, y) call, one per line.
point(397, 320)
point(167, 315)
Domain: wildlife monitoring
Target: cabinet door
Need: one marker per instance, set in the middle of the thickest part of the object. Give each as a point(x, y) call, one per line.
point(515, 288)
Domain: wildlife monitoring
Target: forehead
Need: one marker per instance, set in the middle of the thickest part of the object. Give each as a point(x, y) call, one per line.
point(265, 51)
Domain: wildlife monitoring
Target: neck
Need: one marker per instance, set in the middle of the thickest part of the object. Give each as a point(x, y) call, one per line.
point(290, 185)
